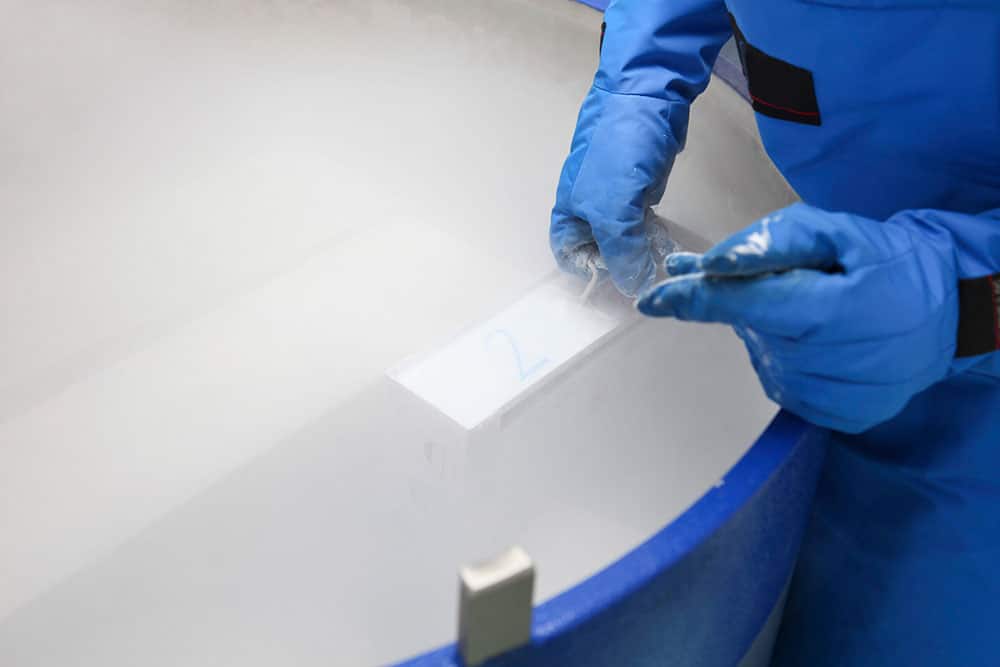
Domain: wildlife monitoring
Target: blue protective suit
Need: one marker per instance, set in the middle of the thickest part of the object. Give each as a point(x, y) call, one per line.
point(856, 307)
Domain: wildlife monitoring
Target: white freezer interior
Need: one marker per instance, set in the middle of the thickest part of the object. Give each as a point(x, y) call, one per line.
point(221, 224)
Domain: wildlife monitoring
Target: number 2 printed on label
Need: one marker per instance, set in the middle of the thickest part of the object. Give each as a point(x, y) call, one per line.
point(523, 371)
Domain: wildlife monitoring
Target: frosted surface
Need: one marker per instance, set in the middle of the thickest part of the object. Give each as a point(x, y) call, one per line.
point(221, 223)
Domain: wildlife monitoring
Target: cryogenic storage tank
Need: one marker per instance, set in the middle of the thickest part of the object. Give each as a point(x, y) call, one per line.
point(283, 347)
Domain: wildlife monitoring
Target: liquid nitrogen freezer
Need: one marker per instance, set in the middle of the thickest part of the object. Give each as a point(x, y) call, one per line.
point(237, 236)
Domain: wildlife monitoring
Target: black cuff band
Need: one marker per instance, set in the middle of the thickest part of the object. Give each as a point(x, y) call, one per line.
point(978, 316)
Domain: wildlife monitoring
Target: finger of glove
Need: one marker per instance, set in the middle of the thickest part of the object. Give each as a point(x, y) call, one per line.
point(682, 263)
point(778, 242)
point(802, 236)
point(572, 243)
point(627, 253)
point(787, 304)
point(661, 242)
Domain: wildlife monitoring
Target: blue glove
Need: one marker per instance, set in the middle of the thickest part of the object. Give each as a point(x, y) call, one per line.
point(845, 318)
point(655, 59)
point(621, 155)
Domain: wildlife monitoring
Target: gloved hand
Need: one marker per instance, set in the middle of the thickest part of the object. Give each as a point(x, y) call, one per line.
point(621, 154)
point(845, 318)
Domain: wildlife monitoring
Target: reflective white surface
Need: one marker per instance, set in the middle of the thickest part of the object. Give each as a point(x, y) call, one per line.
point(221, 223)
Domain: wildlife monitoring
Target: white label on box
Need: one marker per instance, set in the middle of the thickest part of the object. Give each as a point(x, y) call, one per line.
point(488, 367)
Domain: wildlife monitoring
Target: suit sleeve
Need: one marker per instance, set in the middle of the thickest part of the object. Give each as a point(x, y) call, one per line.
point(662, 49)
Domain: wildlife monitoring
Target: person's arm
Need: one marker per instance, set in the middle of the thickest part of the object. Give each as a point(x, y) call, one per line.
point(846, 318)
point(656, 57)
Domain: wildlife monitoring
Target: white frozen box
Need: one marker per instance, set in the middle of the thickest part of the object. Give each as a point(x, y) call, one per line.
point(490, 366)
